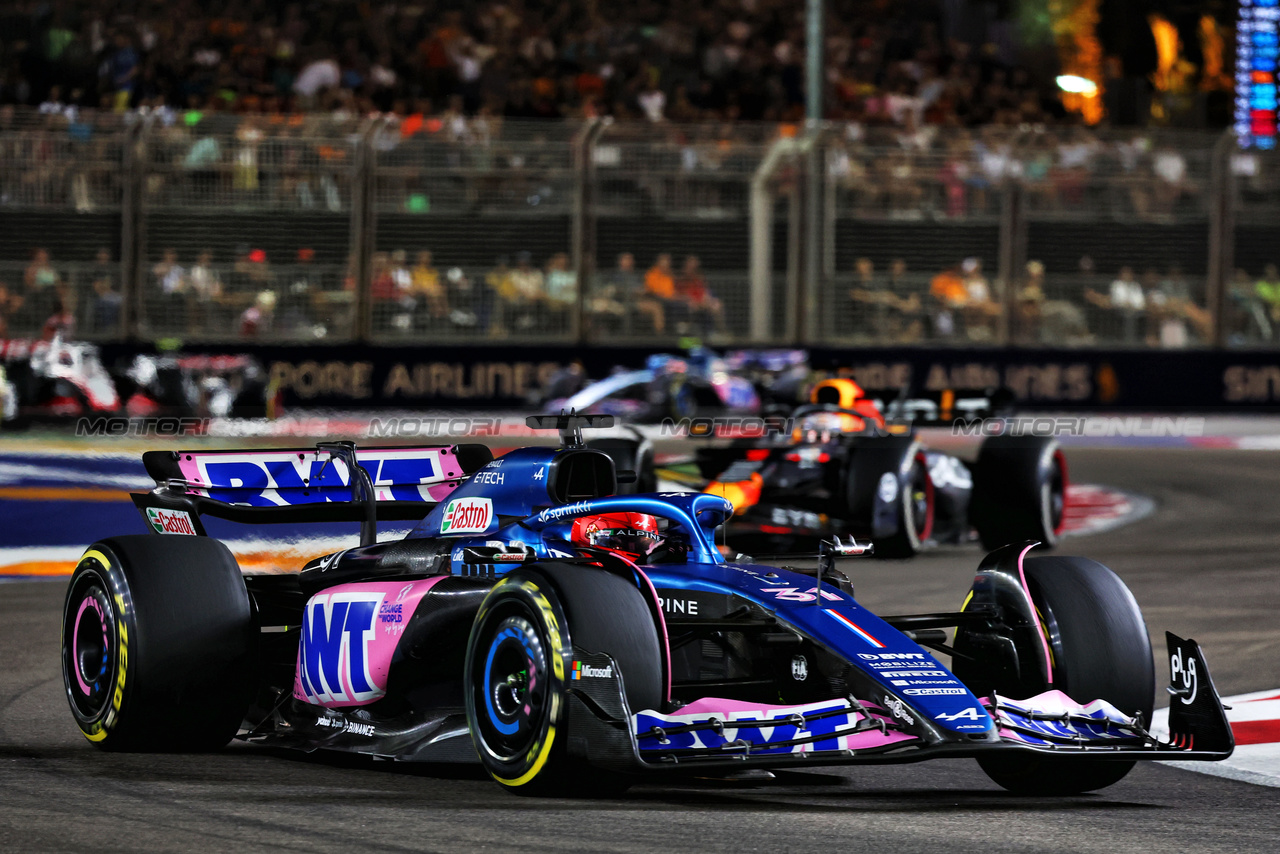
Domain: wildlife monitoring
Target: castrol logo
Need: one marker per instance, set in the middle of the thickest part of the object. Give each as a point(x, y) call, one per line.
point(467, 516)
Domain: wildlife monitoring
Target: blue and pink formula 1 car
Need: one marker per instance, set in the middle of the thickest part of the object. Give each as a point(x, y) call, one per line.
point(574, 640)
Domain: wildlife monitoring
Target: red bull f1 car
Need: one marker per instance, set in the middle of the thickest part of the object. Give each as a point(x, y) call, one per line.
point(573, 640)
point(850, 464)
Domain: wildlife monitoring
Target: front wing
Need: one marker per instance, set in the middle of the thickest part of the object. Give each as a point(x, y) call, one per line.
point(718, 732)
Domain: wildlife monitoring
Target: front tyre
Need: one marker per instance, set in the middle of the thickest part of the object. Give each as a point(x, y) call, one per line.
point(158, 644)
point(515, 672)
point(518, 657)
point(1100, 650)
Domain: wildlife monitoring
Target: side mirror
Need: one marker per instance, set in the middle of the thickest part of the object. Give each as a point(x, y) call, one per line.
point(627, 476)
point(831, 549)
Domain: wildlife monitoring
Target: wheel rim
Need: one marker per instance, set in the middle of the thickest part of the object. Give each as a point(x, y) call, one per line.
point(1055, 501)
point(88, 647)
point(513, 689)
point(919, 503)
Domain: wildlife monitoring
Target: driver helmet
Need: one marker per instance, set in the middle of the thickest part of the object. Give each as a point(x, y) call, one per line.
point(629, 533)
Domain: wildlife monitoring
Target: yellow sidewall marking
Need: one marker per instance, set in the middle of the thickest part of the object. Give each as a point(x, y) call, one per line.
point(99, 729)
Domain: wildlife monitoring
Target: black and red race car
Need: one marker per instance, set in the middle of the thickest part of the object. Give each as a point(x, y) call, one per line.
point(851, 463)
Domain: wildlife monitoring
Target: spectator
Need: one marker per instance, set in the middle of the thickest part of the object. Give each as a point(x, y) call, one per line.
point(980, 310)
point(1025, 325)
point(705, 310)
point(1267, 289)
point(949, 296)
point(660, 289)
point(171, 286)
point(903, 322)
point(524, 299)
point(389, 311)
point(468, 303)
point(106, 303)
point(300, 294)
point(869, 308)
point(428, 292)
point(1126, 303)
point(1183, 316)
point(608, 308)
point(561, 282)
point(1247, 318)
point(61, 322)
point(205, 285)
point(255, 320)
point(562, 290)
point(41, 284)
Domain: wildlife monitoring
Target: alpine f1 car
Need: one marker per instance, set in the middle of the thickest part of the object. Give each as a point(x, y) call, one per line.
point(850, 464)
point(699, 383)
point(574, 640)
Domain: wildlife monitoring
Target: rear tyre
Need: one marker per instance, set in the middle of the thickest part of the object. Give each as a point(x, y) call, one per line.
point(518, 658)
point(1100, 649)
point(1019, 491)
point(158, 644)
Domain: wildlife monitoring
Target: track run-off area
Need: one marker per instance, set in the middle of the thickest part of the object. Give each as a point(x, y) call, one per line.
point(1202, 557)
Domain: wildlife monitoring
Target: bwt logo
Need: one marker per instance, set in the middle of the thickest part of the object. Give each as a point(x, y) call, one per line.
point(334, 660)
point(467, 516)
point(271, 480)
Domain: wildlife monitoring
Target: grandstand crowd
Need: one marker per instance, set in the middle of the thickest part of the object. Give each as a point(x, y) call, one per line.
point(887, 63)
point(262, 105)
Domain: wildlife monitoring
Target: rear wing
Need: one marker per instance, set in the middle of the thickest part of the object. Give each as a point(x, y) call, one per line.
point(302, 485)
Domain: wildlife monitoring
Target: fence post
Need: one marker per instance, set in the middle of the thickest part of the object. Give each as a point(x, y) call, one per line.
point(762, 240)
point(363, 227)
point(1221, 233)
point(133, 228)
point(582, 235)
point(1011, 255)
point(829, 301)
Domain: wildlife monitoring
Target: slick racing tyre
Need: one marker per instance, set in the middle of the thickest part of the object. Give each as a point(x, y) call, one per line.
point(158, 644)
point(518, 667)
point(1100, 650)
point(887, 484)
point(630, 455)
point(1019, 491)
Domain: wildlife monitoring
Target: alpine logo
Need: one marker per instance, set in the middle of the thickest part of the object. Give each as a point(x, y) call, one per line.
point(970, 714)
point(170, 521)
point(467, 516)
point(586, 671)
point(334, 660)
